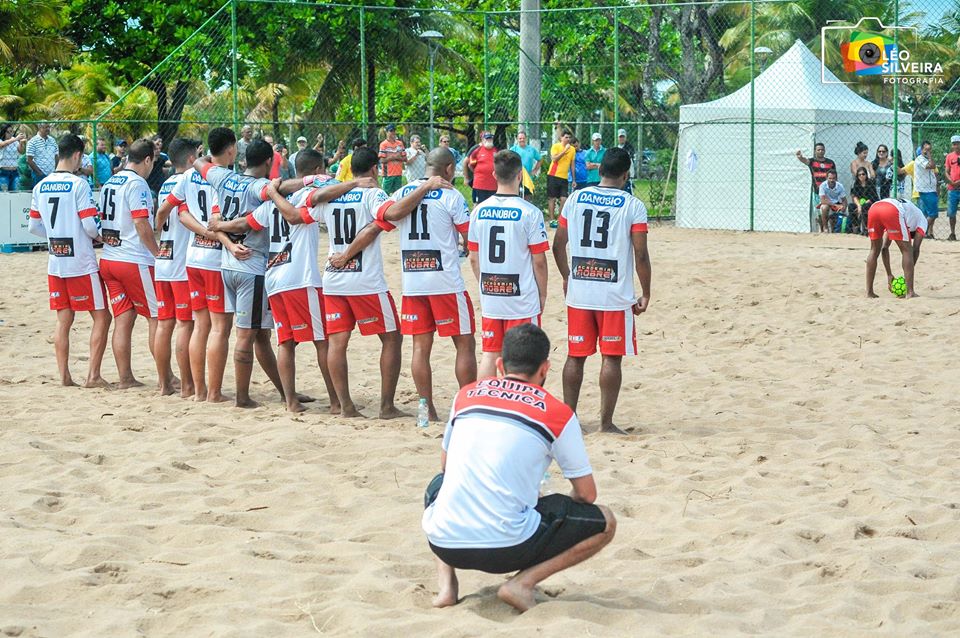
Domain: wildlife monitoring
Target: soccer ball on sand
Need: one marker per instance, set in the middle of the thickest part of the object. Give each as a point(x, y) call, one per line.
point(898, 287)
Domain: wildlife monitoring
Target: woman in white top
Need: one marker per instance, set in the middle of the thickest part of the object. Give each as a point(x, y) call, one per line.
point(11, 148)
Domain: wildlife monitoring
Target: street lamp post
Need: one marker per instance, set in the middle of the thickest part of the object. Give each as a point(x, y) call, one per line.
point(433, 39)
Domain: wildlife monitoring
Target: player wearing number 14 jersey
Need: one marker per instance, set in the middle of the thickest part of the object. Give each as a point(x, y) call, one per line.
point(63, 211)
point(508, 245)
point(606, 229)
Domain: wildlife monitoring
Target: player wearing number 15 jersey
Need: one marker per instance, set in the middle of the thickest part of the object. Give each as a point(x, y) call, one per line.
point(508, 245)
point(606, 229)
point(63, 211)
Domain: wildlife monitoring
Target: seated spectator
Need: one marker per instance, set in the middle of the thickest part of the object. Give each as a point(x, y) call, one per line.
point(833, 199)
point(862, 195)
point(11, 147)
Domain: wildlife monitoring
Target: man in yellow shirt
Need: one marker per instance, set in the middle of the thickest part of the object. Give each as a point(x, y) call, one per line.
point(344, 173)
point(561, 157)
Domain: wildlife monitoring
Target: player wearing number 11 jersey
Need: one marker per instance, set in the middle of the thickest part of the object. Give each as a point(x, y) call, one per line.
point(606, 229)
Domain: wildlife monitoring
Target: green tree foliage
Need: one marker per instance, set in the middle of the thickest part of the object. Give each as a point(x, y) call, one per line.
point(30, 36)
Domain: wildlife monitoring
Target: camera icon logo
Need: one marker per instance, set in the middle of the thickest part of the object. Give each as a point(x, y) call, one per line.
point(867, 53)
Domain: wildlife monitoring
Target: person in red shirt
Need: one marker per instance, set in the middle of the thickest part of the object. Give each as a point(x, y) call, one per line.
point(277, 158)
point(480, 162)
point(393, 156)
point(951, 174)
point(819, 166)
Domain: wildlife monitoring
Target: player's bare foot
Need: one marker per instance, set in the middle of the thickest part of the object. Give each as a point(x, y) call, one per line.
point(516, 595)
point(872, 295)
point(610, 428)
point(335, 409)
point(910, 295)
point(432, 415)
point(126, 384)
point(351, 412)
point(187, 392)
point(449, 594)
point(391, 412)
point(305, 398)
point(67, 381)
point(218, 398)
point(295, 407)
point(167, 389)
point(246, 403)
point(98, 382)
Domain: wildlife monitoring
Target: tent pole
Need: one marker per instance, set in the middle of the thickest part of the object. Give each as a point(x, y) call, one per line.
point(896, 92)
point(753, 83)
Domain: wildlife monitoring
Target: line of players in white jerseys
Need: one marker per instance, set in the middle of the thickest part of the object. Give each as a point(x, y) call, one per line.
point(225, 248)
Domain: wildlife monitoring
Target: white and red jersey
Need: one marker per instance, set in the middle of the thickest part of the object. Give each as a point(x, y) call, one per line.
point(61, 201)
point(174, 238)
point(123, 198)
point(501, 437)
point(201, 201)
point(240, 195)
point(345, 217)
point(506, 231)
point(429, 251)
point(913, 218)
point(292, 263)
point(600, 222)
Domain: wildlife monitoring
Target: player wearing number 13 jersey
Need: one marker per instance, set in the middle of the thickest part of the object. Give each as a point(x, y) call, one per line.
point(507, 242)
point(606, 229)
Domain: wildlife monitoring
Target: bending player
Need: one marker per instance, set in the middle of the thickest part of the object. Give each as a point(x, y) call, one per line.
point(129, 247)
point(434, 294)
point(903, 223)
point(63, 211)
point(607, 232)
point(507, 242)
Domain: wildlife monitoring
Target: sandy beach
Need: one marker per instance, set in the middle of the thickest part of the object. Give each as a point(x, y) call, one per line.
point(792, 470)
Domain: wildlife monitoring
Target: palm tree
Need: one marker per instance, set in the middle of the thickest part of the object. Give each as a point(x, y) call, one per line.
point(29, 35)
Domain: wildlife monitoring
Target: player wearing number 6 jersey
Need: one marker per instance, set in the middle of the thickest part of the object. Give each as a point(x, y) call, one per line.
point(63, 211)
point(507, 242)
point(607, 233)
point(430, 215)
point(129, 247)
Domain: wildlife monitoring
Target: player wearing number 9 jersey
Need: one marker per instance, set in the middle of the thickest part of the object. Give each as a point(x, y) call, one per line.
point(63, 211)
point(507, 242)
point(606, 229)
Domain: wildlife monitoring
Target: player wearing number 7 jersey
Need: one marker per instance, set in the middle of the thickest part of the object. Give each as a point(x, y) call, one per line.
point(507, 242)
point(607, 233)
point(63, 211)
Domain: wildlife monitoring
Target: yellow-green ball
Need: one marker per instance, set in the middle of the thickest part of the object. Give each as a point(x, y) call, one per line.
point(898, 287)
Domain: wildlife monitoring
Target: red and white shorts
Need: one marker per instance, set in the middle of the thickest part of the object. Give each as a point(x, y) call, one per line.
point(373, 314)
point(85, 292)
point(492, 331)
point(130, 287)
point(298, 315)
point(173, 301)
point(448, 315)
point(885, 217)
point(206, 289)
point(613, 328)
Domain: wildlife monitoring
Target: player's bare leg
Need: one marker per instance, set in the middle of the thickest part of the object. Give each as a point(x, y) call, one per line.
point(287, 367)
point(611, 378)
point(61, 345)
point(322, 353)
point(551, 204)
point(488, 365)
point(390, 360)
point(466, 365)
point(161, 355)
point(217, 349)
point(906, 252)
point(243, 366)
point(448, 587)
point(263, 347)
point(885, 258)
point(98, 344)
point(339, 374)
point(422, 374)
point(198, 352)
point(184, 333)
point(824, 219)
point(573, 380)
point(122, 336)
point(875, 247)
point(916, 251)
point(518, 591)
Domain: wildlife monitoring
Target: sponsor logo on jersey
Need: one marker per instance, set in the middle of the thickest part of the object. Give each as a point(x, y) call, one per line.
point(600, 199)
point(61, 246)
point(197, 178)
point(111, 237)
point(333, 316)
point(499, 285)
point(594, 269)
point(409, 188)
point(137, 303)
point(366, 320)
point(279, 258)
point(352, 197)
point(202, 242)
point(443, 322)
point(118, 298)
point(299, 326)
point(487, 334)
point(410, 317)
point(165, 249)
point(117, 180)
point(56, 187)
point(182, 305)
point(575, 339)
point(213, 297)
point(611, 339)
point(353, 266)
point(161, 303)
point(194, 294)
point(54, 295)
point(421, 261)
point(80, 298)
point(500, 214)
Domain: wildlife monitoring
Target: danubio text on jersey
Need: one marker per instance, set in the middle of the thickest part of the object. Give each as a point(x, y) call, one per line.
point(500, 214)
point(510, 391)
point(56, 187)
point(611, 201)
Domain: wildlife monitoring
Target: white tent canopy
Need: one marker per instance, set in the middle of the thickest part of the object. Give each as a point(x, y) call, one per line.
point(794, 108)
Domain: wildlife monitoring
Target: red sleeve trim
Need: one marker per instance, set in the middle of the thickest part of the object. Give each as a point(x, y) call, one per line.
point(174, 201)
point(383, 224)
point(183, 208)
point(920, 233)
point(216, 209)
point(86, 212)
point(140, 213)
point(204, 169)
point(263, 193)
point(310, 196)
point(562, 222)
point(254, 224)
point(34, 214)
point(464, 227)
point(638, 228)
point(305, 215)
point(384, 207)
point(542, 247)
point(472, 245)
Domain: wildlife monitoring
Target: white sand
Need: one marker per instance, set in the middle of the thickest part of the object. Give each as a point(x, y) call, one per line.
point(794, 473)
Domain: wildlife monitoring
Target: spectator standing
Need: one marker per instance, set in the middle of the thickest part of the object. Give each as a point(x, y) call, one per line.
point(158, 174)
point(393, 155)
point(860, 161)
point(833, 199)
point(101, 162)
point(119, 160)
point(578, 174)
point(344, 171)
point(925, 183)
point(11, 147)
point(624, 143)
point(246, 136)
point(480, 162)
point(562, 155)
point(529, 156)
point(883, 171)
point(951, 175)
point(301, 145)
point(863, 195)
point(286, 166)
point(275, 165)
point(445, 143)
point(42, 153)
point(416, 159)
point(594, 156)
point(819, 165)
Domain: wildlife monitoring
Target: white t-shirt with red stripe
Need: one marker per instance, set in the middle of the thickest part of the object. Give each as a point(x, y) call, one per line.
point(429, 251)
point(201, 201)
point(61, 201)
point(345, 217)
point(500, 439)
point(292, 263)
point(912, 216)
point(506, 231)
point(600, 222)
point(123, 198)
point(174, 238)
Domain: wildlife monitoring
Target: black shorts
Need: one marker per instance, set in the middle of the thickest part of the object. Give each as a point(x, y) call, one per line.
point(563, 523)
point(480, 195)
point(557, 187)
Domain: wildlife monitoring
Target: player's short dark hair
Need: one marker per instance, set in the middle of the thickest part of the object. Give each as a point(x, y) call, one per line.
point(925, 143)
point(615, 162)
point(820, 144)
point(220, 139)
point(309, 162)
point(566, 133)
point(506, 166)
point(181, 150)
point(258, 153)
point(832, 171)
point(69, 144)
point(525, 348)
point(364, 158)
point(140, 150)
point(358, 143)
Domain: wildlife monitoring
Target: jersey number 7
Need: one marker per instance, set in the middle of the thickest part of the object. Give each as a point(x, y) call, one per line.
point(55, 205)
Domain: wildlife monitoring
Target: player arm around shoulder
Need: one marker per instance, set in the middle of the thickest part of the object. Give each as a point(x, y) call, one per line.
point(290, 213)
point(395, 211)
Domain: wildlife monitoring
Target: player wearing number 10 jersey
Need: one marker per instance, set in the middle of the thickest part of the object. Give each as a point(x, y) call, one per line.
point(606, 229)
point(63, 211)
point(507, 242)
